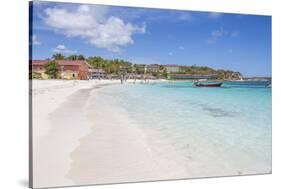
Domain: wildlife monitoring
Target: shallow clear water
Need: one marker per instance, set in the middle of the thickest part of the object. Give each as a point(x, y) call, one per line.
point(224, 130)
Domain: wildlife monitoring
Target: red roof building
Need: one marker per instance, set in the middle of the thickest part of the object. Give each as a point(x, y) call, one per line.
point(67, 69)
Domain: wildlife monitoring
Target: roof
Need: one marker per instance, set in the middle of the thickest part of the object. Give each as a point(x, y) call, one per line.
point(61, 62)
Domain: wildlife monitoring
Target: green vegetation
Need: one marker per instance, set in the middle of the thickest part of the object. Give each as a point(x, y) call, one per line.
point(118, 66)
point(76, 57)
point(198, 70)
point(58, 56)
point(110, 66)
point(36, 76)
point(204, 70)
point(51, 68)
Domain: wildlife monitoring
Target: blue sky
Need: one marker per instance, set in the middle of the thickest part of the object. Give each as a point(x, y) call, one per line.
point(222, 41)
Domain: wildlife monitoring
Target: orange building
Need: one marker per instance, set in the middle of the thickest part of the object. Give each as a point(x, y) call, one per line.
point(67, 69)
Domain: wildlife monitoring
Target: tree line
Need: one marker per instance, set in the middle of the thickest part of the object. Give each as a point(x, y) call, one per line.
point(110, 66)
point(115, 66)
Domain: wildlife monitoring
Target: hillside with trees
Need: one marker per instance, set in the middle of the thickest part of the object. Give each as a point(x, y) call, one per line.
point(218, 74)
point(114, 66)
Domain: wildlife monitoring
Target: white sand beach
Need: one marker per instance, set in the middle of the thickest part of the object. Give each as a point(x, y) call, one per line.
point(80, 139)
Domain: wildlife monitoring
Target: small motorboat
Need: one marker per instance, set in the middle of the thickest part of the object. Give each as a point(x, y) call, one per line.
point(199, 84)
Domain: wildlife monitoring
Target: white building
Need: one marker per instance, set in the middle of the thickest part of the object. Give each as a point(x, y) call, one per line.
point(172, 68)
point(97, 73)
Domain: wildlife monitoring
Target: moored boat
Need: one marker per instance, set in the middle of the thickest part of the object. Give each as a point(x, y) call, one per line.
point(198, 84)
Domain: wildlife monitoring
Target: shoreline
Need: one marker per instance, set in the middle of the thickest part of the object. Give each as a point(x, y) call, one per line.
point(119, 149)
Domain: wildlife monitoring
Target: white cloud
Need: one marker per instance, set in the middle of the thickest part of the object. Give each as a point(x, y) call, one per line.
point(61, 47)
point(185, 16)
point(234, 34)
point(217, 34)
point(181, 48)
point(35, 40)
point(215, 15)
point(92, 24)
point(63, 50)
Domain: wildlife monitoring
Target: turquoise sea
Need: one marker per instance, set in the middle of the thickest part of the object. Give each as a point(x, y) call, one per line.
point(216, 131)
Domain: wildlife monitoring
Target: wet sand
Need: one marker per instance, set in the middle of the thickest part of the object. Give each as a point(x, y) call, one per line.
point(116, 150)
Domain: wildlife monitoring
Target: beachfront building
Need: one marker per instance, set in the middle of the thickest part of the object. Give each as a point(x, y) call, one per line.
point(67, 69)
point(172, 68)
point(152, 68)
point(96, 73)
point(191, 76)
point(141, 68)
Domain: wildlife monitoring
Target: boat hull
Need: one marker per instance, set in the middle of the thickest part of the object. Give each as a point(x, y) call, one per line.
point(208, 85)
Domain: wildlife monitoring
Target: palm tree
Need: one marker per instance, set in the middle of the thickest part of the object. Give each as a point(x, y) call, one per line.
point(81, 57)
point(72, 57)
point(58, 56)
point(96, 61)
